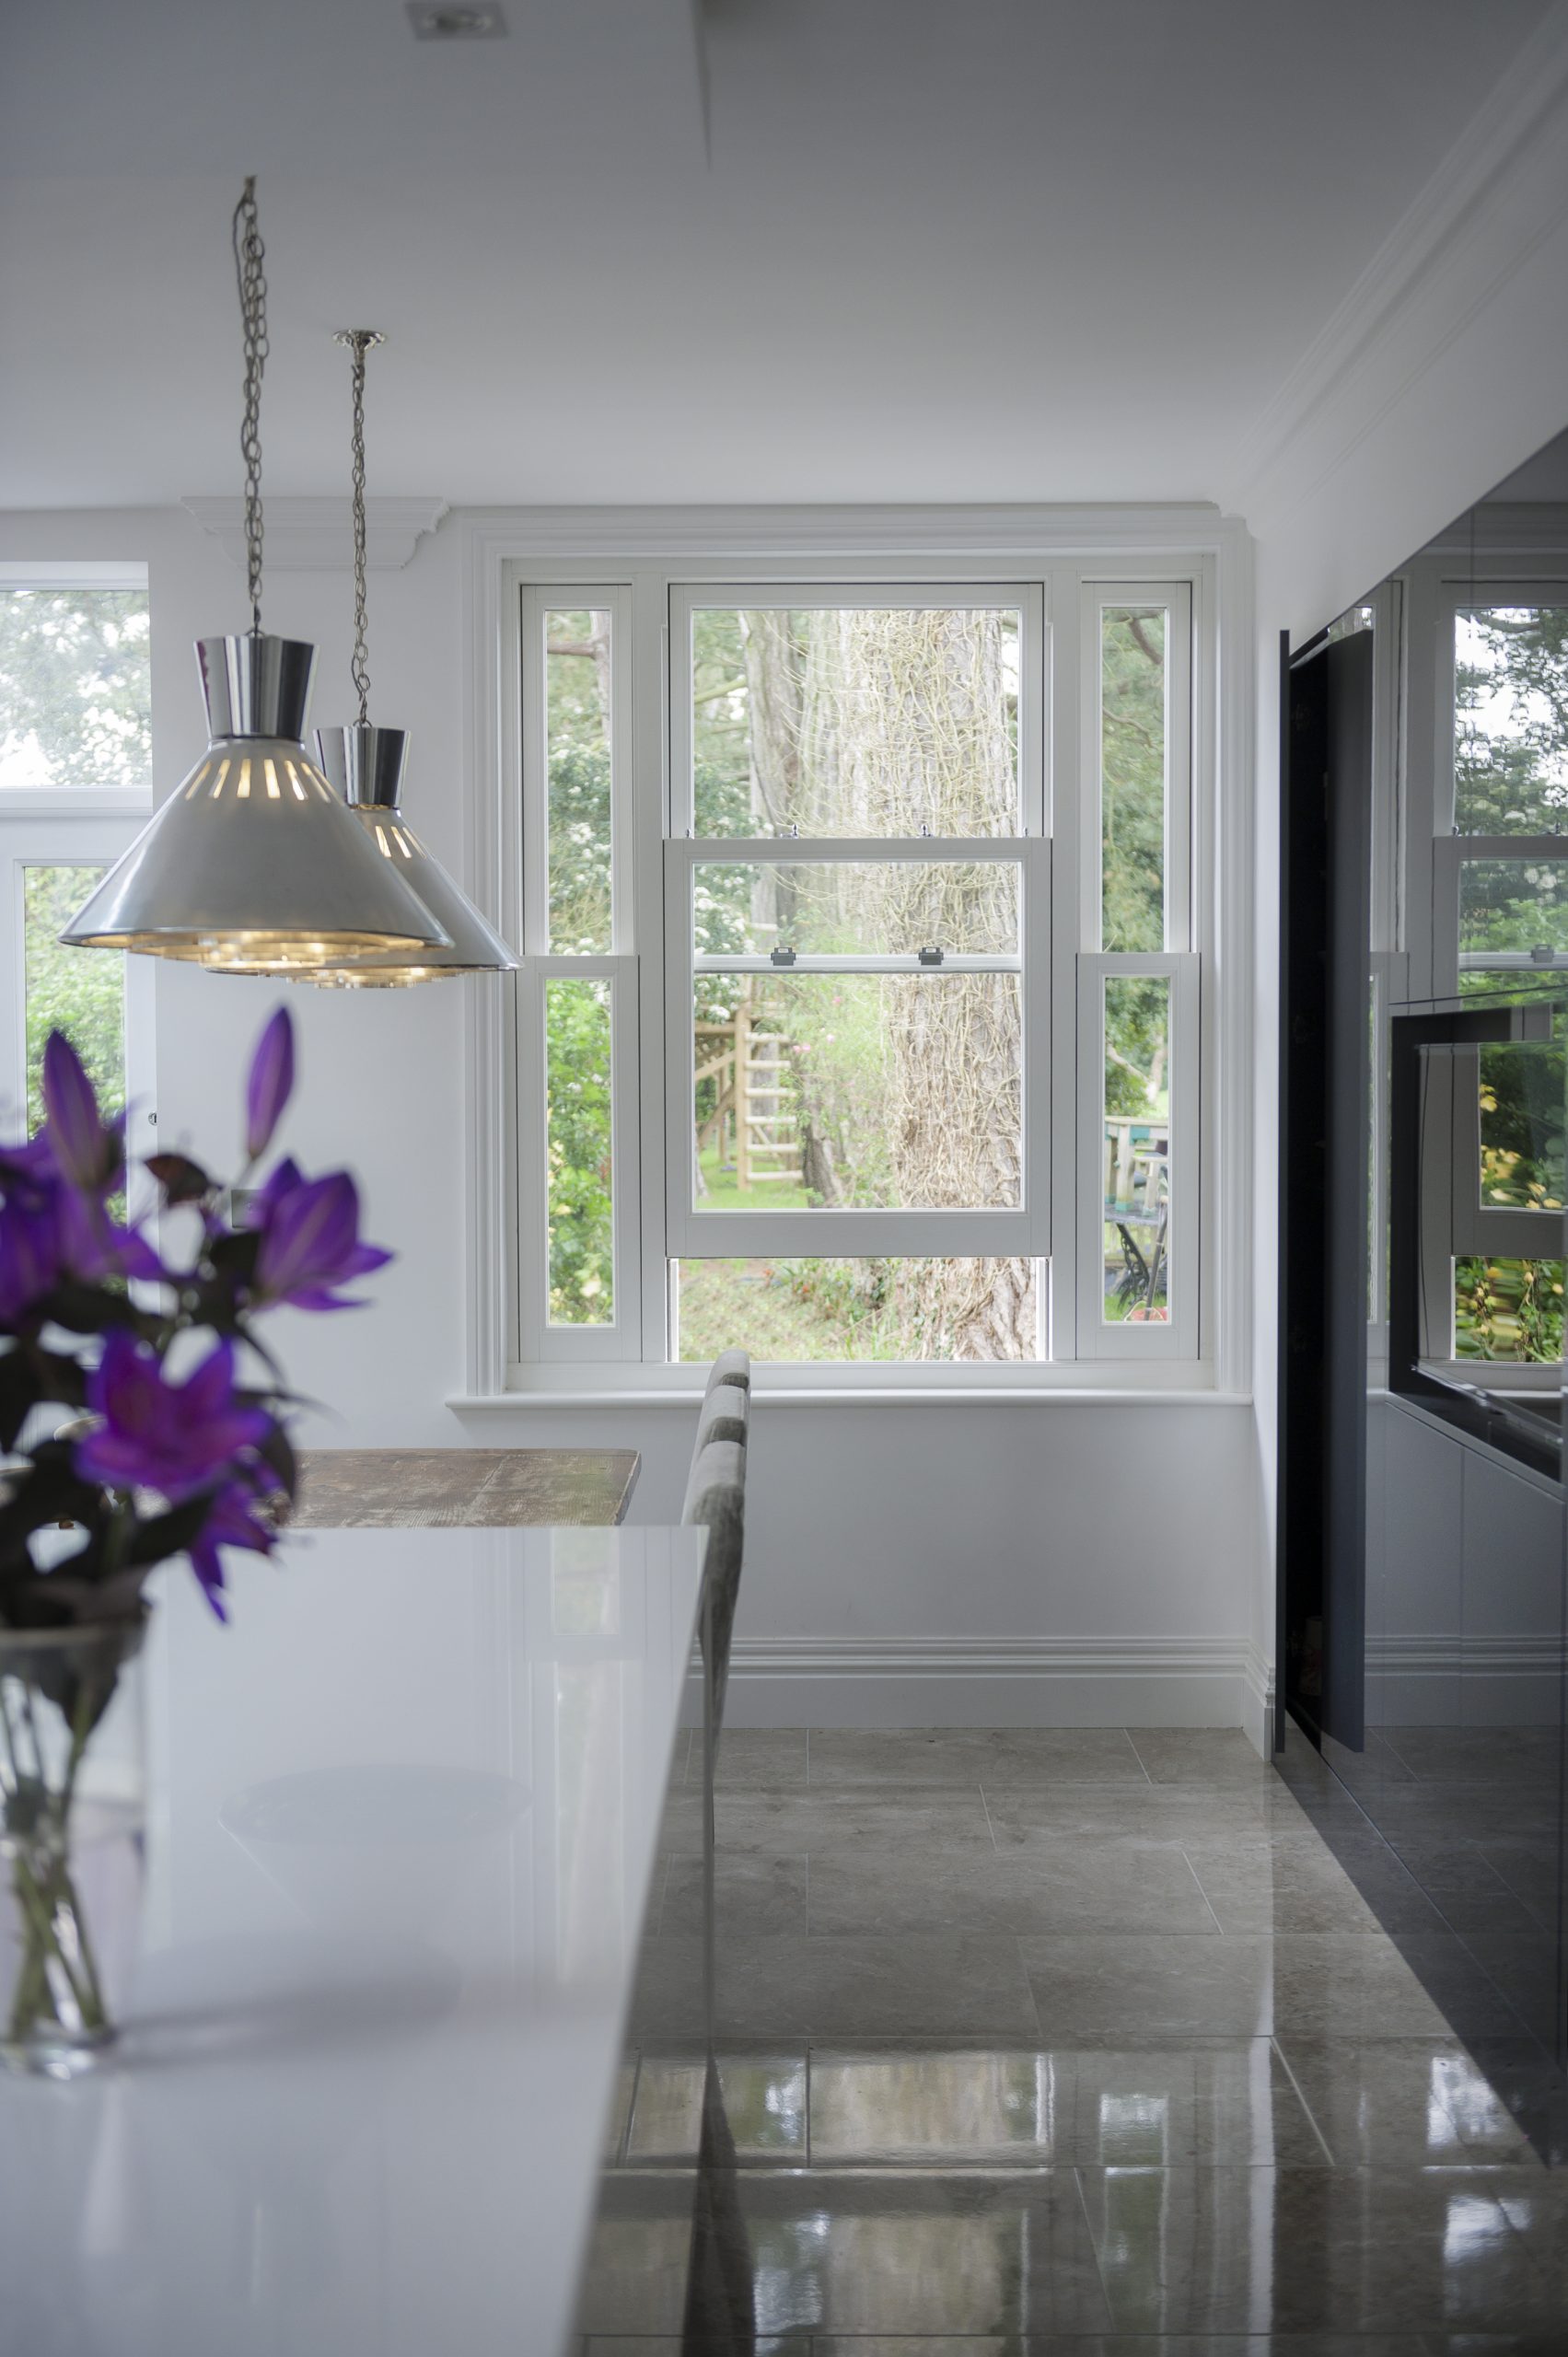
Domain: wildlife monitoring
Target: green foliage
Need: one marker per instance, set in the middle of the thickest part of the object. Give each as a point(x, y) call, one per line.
point(1511, 720)
point(1133, 756)
point(75, 697)
point(79, 992)
point(582, 1267)
point(1508, 1310)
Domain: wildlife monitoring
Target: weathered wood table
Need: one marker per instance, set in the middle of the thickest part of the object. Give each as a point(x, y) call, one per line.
point(343, 1489)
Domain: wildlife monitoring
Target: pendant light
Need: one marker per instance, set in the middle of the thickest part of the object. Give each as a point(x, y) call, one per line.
point(253, 864)
point(366, 765)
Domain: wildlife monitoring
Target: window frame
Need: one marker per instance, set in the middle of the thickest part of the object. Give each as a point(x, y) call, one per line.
point(709, 554)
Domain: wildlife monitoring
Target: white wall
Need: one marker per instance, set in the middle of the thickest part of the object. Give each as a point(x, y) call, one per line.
point(1062, 1560)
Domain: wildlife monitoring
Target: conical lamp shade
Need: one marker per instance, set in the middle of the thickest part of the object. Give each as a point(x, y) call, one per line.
point(366, 765)
point(254, 864)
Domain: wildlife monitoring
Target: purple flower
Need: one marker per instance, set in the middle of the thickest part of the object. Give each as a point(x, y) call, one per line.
point(232, 1523)
point(176, 1438)
point(88, 1152)
point(270, 1083)
point(29, 1257)
point(309, 1239)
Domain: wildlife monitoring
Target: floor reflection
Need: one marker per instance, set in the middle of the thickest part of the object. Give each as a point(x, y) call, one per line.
point(1306, 2116)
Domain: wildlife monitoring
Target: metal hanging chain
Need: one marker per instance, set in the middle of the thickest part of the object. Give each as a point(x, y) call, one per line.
point(249, 255)
point(359, 341)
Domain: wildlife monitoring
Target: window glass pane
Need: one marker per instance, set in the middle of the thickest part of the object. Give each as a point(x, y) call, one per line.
point(858, 909)
point(799, 1312)
point(1136, 1165)
point(582, 1255)
point(858, 1091)
point(1134, 764)
point(76, 694)
point(79, 992)
point(1521, 1129)
point(855, 720)
point(578, 708)
point(1508, 1310)
point(1511, 720)
point(1513, 919)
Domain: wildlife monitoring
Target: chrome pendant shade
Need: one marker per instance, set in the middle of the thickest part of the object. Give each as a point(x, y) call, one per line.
point(367, 766)
point(253, 863)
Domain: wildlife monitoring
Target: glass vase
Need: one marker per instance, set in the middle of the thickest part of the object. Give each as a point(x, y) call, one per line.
point(71, 1815)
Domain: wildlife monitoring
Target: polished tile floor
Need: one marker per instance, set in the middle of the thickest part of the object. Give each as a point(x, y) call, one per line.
point(1088, 2041)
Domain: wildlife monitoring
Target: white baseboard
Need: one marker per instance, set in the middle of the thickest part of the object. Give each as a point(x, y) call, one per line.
point(997, 1682)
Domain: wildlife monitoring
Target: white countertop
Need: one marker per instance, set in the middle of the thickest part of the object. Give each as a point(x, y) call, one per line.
point(407, 1809)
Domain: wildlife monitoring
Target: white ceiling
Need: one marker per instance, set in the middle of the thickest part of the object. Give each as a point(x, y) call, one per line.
point(945, 248)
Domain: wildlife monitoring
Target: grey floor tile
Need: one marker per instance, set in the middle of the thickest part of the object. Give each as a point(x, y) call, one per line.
point(1149, 2108)
point(1532, 2088)
point(753, 1896)
point(1051, 1886)
point(1295, 1884)
point(1298, 2250)
point(1241, 1815)
point(1471, 1887)
point(908, 1757)
point(1208, 1756)
point(964, 1986)
point(1459, 1985)
point(1140, 1990)
point(1411, 2103)
point(798, 1824)
point(764, 2102)
point(749, 1756)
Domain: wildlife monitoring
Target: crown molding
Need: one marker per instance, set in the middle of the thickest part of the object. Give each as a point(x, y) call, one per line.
point(316, 535)
point(1499, 193)
point(758, 534)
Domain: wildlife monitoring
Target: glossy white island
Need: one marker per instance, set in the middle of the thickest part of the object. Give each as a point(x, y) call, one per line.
point(405, 1814)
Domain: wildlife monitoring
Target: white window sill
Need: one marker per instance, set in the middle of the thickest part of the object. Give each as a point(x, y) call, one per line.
point(782, 1392)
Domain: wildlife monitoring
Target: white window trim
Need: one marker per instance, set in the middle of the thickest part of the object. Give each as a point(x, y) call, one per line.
point(644, 551)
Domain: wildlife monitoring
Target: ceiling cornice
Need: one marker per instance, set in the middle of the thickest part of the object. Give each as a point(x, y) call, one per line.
point(1500, 189)
point(755, 534)
point(316, 535)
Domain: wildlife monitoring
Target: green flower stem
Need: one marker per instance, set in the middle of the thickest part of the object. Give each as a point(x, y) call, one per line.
point(41, 1879)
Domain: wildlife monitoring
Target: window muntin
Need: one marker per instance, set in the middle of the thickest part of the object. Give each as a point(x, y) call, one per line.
point(75, 690)
point(854, 715)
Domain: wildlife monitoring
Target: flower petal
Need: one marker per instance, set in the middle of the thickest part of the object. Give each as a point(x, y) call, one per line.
point(271, 1083)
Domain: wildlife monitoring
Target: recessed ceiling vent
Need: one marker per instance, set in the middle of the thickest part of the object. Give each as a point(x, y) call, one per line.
point(478, 21)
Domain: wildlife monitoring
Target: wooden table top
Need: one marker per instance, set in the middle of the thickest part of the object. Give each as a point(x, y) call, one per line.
point(342, 1489)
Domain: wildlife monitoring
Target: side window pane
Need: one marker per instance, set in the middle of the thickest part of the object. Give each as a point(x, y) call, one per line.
point(1511, 720)
point(1512, 922)
point(855, 720)
point(577, 700)
point(79, 992)
point(797, 1312)
point(577, 1088)
point(1134, 766)
point(75, 689)
point(858, 1091)
point(1137, 1149)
